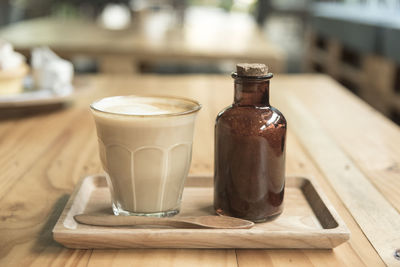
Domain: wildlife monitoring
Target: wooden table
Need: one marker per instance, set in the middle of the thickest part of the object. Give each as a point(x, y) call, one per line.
point(152, 38)
point(351, 150)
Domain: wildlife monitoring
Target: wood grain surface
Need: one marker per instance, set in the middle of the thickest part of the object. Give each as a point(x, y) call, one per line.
point(43, 156)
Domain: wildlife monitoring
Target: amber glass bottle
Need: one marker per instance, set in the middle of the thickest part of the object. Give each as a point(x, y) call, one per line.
point(250, 136)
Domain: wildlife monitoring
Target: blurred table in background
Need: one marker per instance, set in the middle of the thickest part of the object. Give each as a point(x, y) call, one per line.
point(209, 37)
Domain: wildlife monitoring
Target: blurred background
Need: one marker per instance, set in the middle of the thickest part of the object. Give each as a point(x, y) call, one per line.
point(354, 41)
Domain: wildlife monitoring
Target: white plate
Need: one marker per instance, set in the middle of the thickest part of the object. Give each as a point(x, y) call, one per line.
point(31, 97)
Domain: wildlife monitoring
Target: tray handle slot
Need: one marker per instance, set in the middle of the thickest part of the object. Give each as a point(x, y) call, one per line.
point(319, 208)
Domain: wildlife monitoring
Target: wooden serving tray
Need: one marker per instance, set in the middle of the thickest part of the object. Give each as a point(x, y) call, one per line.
point(308, 221)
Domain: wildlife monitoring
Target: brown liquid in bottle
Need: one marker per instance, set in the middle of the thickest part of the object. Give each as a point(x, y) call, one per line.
point(250, 138)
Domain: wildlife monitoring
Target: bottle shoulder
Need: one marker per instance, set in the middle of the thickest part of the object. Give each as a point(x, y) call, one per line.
point(251, 120)
point(267, 114)
point(226, 112)
point(281, 116)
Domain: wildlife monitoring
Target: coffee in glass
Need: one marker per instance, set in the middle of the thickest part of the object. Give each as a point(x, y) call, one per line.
point(145, 146)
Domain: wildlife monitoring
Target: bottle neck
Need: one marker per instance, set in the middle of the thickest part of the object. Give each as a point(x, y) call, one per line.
point(251, 92)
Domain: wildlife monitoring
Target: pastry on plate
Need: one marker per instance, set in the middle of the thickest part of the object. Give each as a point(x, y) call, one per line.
point(13, 70)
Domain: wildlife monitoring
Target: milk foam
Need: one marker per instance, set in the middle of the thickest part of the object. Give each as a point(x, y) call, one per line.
point(140, 106)
point(138, 109)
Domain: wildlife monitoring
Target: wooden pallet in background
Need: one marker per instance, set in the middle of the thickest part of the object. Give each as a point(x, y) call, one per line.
point(374, 78)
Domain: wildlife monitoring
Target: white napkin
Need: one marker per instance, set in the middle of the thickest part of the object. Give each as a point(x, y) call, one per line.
point(50, 72)
point(9, 59)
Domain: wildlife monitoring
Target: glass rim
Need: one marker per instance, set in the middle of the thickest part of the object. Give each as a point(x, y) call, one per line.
point(196, 106)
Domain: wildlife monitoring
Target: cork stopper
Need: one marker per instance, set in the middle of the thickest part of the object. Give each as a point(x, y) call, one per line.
point(251, 69)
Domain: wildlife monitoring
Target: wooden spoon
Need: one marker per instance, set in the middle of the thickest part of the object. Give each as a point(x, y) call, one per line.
point(216, 222)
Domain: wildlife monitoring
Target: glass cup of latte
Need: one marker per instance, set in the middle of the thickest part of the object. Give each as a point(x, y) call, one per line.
point(145, 146)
